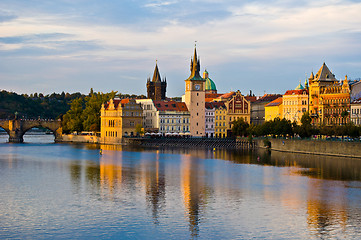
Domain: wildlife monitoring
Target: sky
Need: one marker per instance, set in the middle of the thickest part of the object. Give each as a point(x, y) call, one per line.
point(263, 46)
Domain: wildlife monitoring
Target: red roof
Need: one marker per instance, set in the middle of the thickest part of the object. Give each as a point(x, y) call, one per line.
point(268, 97)
point(210, 105)
point(296, 92)
point(170, 106)
point(275, 102)
point(116, 102)
point(251, 98)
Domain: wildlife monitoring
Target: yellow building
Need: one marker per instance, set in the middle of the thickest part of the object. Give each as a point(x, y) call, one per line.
point(119, 118)
point(329, 99)
point(274, 109)
point(220, 116)
point(295, 104)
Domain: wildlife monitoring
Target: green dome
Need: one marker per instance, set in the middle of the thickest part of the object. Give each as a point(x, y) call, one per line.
point(210, 85)
point(299, 87)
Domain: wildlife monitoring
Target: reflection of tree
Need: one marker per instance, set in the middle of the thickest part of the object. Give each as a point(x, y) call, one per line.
point(194, 191)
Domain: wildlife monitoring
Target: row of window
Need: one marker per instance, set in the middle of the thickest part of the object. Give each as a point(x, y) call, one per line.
point(185, 120)
point(174, 128)
point(111, 134)
point(303, 102)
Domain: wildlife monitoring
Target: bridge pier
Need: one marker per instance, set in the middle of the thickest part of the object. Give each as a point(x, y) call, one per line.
point(15, 131)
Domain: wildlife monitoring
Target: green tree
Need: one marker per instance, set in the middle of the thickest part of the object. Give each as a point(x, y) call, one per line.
point(239, 127)
point(72, 120)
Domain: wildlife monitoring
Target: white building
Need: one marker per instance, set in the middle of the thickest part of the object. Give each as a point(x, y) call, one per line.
point(209, 117)
point(356, 111)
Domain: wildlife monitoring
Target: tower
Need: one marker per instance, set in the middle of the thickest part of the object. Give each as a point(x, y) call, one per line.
point(195, 98)
point(156, 88)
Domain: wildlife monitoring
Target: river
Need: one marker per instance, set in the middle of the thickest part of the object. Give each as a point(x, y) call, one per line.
point(72, 191)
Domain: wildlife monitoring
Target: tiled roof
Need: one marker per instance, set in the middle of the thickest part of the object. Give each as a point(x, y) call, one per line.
point(296, 92)
point(268, 97)
point(275, 102)
point(324, 74)
point(251, 98)
point(116, 102)
point(170, 106)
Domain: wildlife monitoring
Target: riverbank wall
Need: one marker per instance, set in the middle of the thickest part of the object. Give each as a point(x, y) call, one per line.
point(80, 138)
point(317, 147)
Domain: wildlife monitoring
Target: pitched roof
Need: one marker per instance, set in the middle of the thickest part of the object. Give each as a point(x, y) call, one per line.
point(268, 97)
point(116, 102)
point(170, 106)
point(324, 74)
point(251, 98)
point(156, 75)
point(296, 92)
point(275, 102)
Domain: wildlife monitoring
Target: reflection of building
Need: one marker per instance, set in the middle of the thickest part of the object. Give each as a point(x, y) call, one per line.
point(329, 99)
point(295, 104)
point(195, 98)
point(119, 118)
point(193, 192)
point(156, 88)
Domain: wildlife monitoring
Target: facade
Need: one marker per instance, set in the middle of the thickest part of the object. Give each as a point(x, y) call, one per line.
point(119, 118)
point(209, 117)
point(195, 98)
point(274, 109)
point(258, 115)
point(172, 117)
point(329, 99)
point(295, 104)
point(238, 107)
point(356, 111)
point(150, 120)
point(210, 85)
point(156, 88)
point(220, 118)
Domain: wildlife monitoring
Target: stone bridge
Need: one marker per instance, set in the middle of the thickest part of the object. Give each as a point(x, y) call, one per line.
point(18, 127)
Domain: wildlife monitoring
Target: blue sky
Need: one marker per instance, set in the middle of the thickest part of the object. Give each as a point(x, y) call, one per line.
point(263, 46)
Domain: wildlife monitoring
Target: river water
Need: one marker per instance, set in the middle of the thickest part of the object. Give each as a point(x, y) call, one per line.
point(69, 191)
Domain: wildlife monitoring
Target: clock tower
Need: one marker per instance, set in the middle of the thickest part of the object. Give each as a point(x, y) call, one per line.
point(195, 98)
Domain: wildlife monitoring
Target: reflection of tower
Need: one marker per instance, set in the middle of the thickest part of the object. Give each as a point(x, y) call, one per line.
point(155, 186)
point(326, 208)
point(193, 192)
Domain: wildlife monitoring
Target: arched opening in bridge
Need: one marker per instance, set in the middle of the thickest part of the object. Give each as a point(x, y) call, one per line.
point(39, 134)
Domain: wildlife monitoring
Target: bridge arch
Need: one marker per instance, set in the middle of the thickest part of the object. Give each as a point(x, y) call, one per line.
point(17, 128)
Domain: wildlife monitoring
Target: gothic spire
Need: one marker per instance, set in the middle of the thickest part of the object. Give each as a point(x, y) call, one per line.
point(156, 75)
point(195, 67)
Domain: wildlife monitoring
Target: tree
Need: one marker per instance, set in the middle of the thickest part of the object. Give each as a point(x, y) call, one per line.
point(72, 120)
point(139, 129)
point(239, 127)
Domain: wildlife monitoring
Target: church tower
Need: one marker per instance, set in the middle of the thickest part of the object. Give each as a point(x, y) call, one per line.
point(195, 98)
point(156, 88)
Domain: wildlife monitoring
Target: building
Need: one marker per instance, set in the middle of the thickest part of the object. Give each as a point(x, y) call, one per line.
point(172, 117)
point(119, 118)
point(295, 104)
point(156, 88)
point(274, 109)
point(210, 85)
point(209, 117)
point(329, 99)
point(220, 118)
point(238, 107)
point(150, 116)
point(195, 98)
point(258, 115)
point(356, 111)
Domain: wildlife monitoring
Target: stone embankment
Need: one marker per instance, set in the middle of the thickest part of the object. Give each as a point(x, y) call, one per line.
point(317, 147)
point(199, 143)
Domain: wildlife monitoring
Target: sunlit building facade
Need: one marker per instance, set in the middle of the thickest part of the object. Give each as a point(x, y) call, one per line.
point(119, 118)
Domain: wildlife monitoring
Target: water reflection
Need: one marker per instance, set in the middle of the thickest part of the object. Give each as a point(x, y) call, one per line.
point(188, 193)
